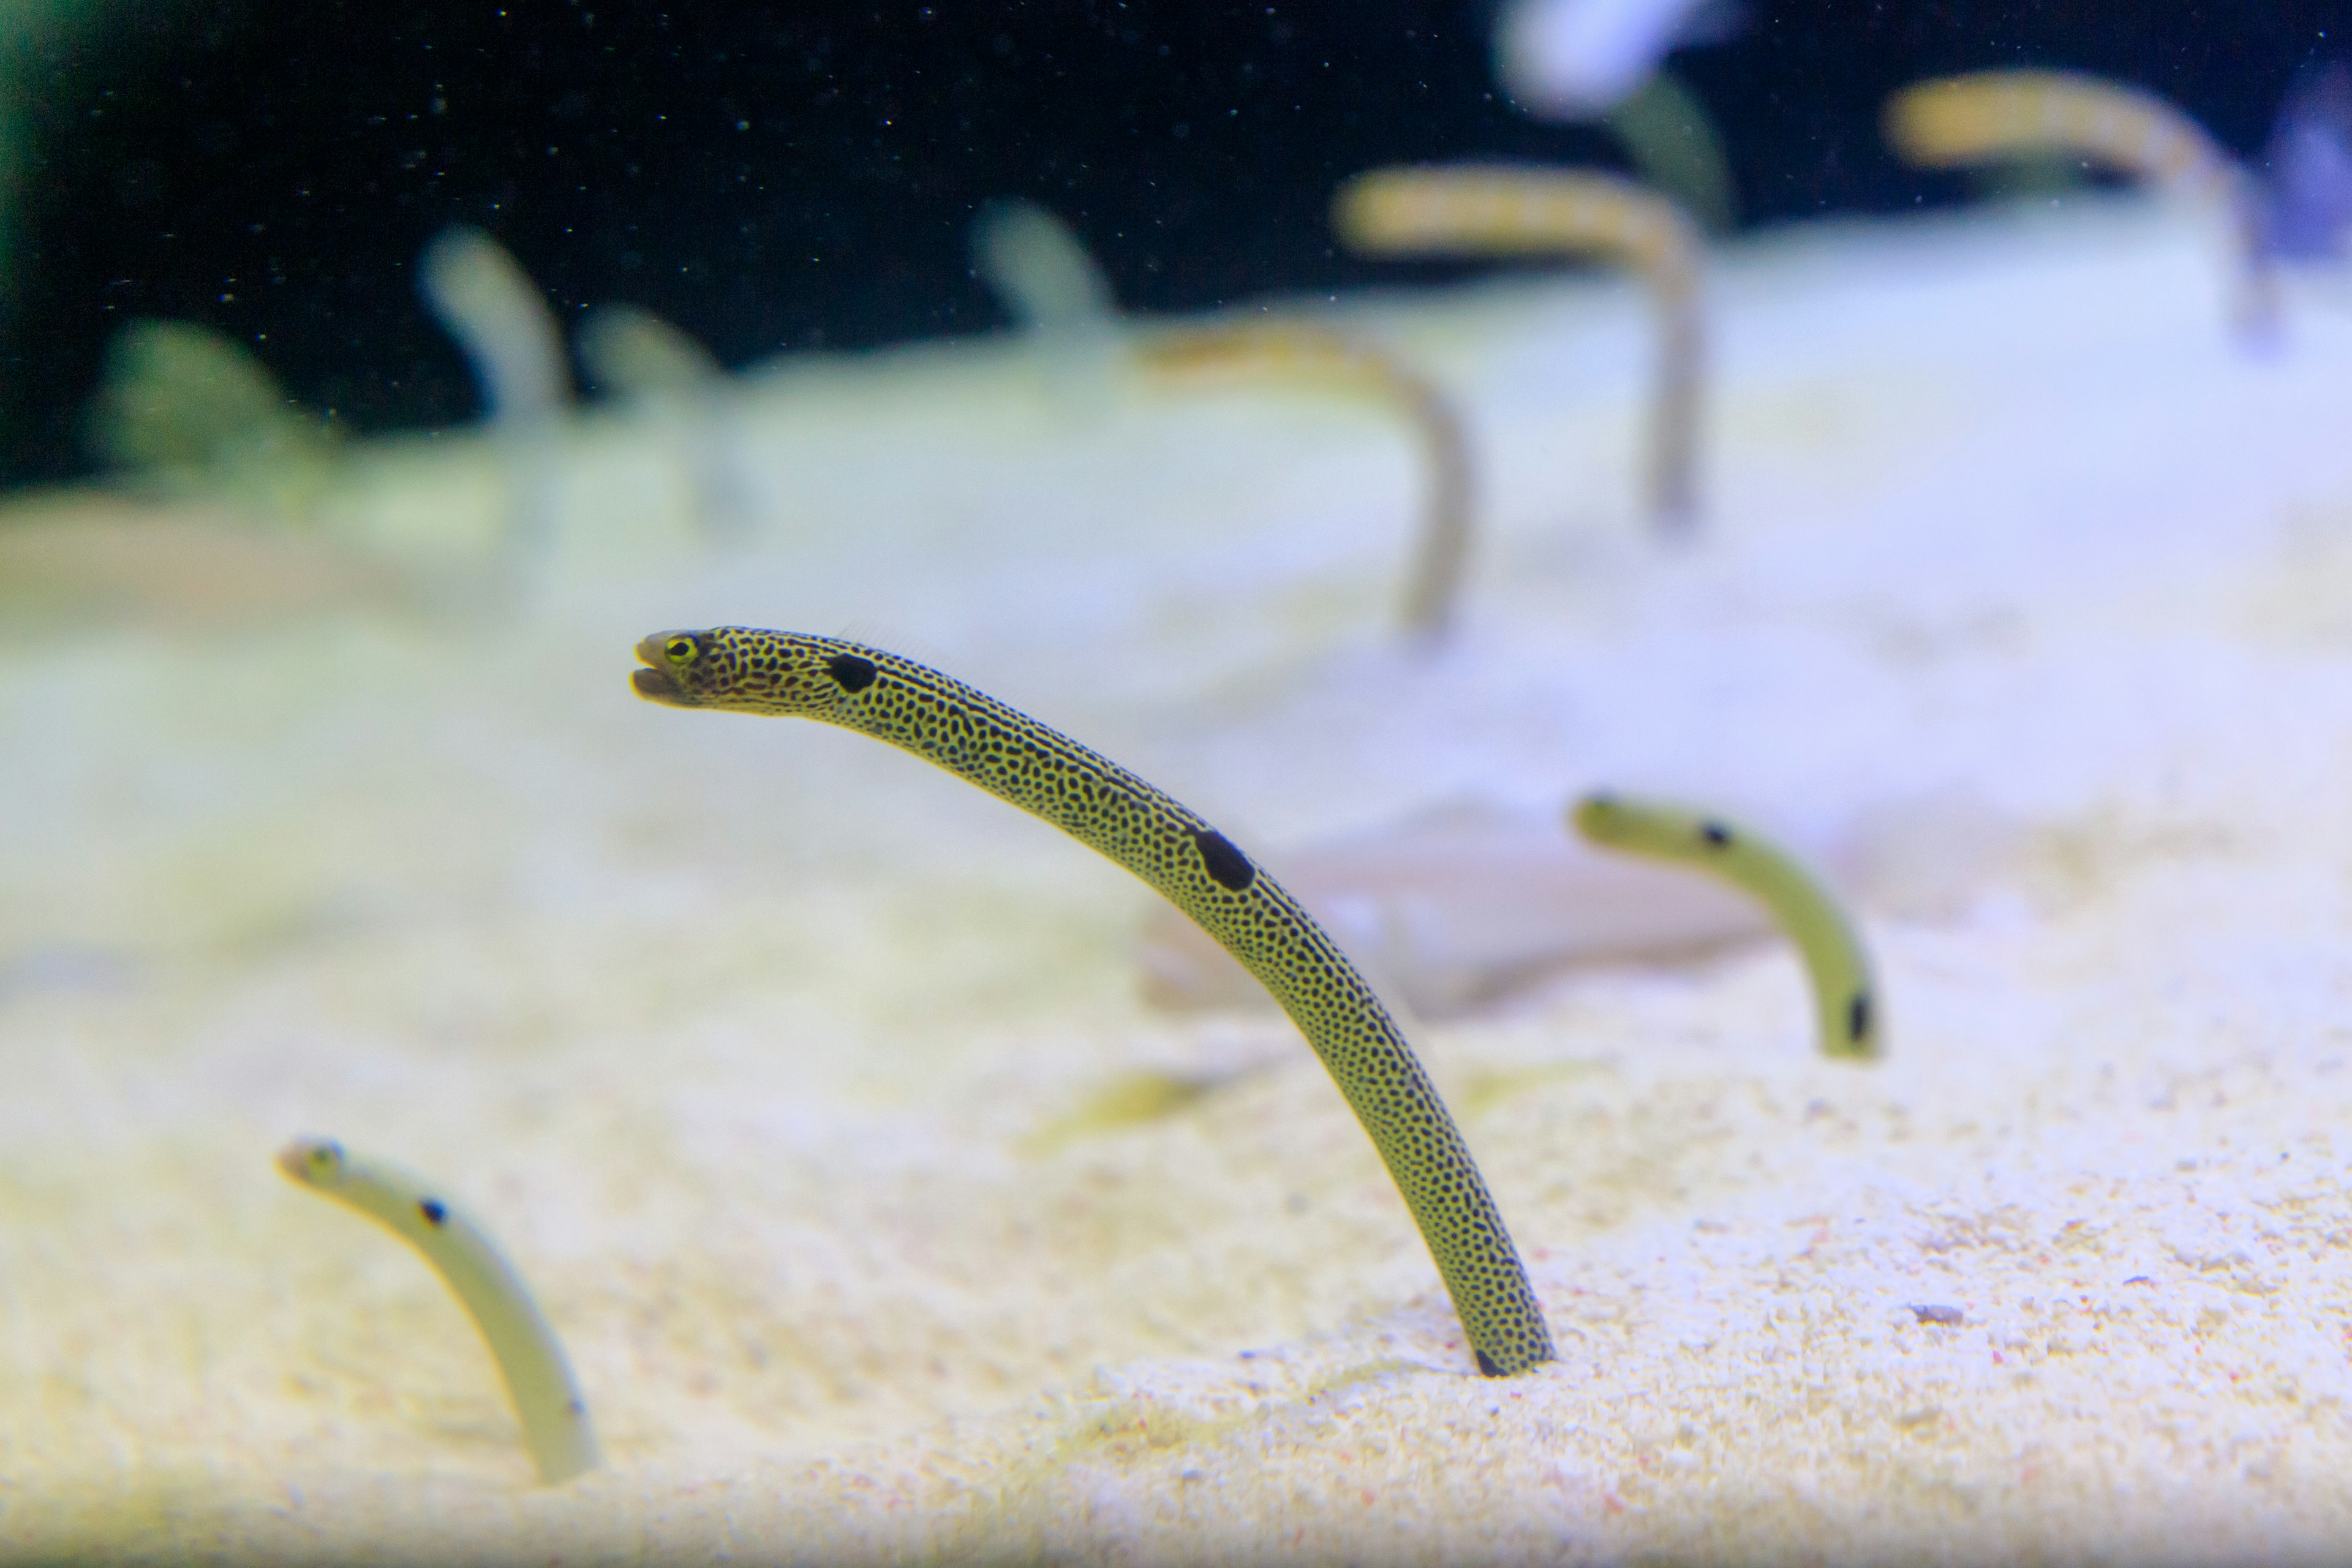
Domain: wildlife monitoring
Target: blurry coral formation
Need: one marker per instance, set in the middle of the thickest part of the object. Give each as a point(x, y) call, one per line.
point(1323, 356)
point(1495, 210)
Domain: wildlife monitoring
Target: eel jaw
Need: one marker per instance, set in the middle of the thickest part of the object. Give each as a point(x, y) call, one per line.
point(655, 683)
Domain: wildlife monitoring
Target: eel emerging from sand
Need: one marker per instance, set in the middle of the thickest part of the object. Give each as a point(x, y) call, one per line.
point(1844, 996)
point(1484, 209)
point(1195, 868)
point(538, 1380)
point(1983, 117)
point(1305, 351)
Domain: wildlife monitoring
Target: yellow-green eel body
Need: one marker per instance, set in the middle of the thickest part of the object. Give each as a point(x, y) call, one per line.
point(1845, 997)
point(547, 1401)
point(1189, 862)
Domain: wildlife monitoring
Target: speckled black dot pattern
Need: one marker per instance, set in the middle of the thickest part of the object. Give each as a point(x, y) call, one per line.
point(433, 1211)
point(1201, 872)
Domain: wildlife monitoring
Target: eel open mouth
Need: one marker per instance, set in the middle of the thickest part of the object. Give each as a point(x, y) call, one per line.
point(655, 683)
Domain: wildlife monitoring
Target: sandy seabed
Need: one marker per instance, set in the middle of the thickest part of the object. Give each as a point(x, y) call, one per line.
point(882, 1220)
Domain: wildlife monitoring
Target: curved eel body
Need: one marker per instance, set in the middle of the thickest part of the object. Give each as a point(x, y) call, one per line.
point(538, 1380)
point(1475, 209)
point(1305, 350)
point(1194, 867)
point(1985, 116)
point(1846, 999)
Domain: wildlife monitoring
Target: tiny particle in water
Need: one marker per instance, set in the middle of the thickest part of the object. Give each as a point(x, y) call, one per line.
point(1931, 1313)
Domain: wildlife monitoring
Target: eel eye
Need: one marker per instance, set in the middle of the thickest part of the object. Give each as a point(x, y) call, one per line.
point(680, 648)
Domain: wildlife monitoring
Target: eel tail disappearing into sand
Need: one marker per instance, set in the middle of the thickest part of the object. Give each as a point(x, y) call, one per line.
point(1845, 998)
point(538, 1380)
point(1433, 583)
point(1475, 209)
point(1986, 116)
point(1196, 867)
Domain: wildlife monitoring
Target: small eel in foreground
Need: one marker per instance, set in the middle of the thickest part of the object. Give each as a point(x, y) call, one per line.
point(1845, 1000)
point(1195, 868)
point(538, 1380)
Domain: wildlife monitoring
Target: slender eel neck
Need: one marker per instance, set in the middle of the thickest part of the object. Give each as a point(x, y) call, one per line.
point(1197, 869)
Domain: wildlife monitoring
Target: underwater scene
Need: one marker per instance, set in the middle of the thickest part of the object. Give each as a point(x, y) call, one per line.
point(1498, 781)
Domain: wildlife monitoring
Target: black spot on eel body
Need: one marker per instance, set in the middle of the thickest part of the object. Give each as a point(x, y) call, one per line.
point(1486, 1365)
point(854, 673)
point(433, 1212)
point(1228, 865)
point(1857, 1016)
point(1717, 835)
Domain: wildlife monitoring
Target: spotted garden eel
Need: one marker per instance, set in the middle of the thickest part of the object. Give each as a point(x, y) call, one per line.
point(1845, 1000)
point(538, 1380)
point(1473, 209)
point(1195, 868)
point(1988, 116)
point(1302, 349)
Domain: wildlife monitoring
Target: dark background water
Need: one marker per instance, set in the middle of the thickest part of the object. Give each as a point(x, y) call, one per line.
point(776, 177)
